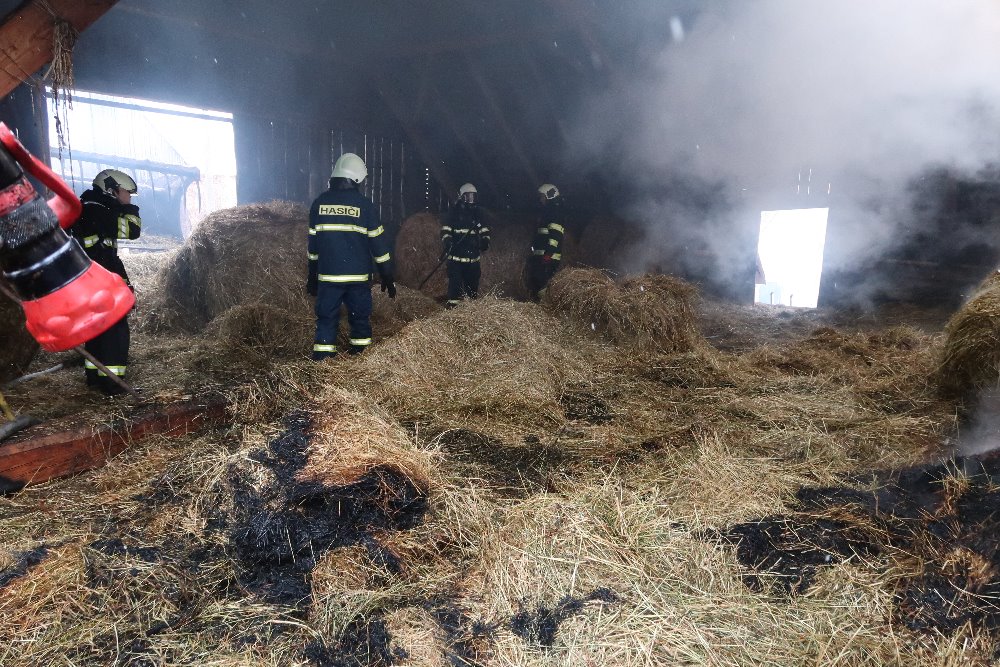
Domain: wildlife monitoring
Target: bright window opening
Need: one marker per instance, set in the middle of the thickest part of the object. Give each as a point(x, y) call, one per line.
point(791, 256)
point(183, 159)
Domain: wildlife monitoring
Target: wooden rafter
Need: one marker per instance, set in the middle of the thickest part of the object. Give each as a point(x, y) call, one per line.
point(490, 96)
point(455, 125)
point(26, 35)
point(431, 157)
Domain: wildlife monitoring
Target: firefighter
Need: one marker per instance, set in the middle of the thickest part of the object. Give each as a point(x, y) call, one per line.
point(546, 247)
point(345, 235)
point(108, 215)
point(464, 237)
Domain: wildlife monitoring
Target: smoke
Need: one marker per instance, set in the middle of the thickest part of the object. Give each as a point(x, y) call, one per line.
point(746, 97)
point(982, 434)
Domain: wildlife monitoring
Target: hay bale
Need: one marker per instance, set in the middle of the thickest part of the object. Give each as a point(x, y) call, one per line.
point(650, 311)
point(247, 254)
point(418, 251)
point(491, 365)
point(19, 348)
point(970, 357)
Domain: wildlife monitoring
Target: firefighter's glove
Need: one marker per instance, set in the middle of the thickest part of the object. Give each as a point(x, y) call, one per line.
point(546, 258)
point(312, 285)
point(390, 287)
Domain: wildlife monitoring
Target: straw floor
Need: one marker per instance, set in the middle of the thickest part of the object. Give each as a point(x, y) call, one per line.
point(496, 484)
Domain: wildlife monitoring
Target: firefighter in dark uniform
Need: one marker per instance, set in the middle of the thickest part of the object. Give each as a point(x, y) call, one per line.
point(108, 215)
point(546, 247)
point(464, 237)
point(345, 235)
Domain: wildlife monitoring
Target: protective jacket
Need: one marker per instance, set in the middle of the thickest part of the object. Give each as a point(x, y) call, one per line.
point(463, 233)
point(548, 239)
point(344, 236)
point(103, 222)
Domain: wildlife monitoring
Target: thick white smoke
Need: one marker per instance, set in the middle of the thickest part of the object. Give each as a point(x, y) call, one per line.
point(867, 93)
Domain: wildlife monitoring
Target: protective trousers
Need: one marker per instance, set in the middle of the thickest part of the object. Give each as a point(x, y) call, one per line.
point(463, 280)
point(329, 297)
point(538, 274)
point(111, 349)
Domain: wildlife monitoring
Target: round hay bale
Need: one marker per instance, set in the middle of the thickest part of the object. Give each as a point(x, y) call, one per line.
point(247, 254)
point(649, 311)
point(418, 252)
point(494, 365)
point(18, 348)
point(970, 357)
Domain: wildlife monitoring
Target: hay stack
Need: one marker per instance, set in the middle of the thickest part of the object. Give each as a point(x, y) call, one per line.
point(418, 251)
point(247, 254)
point(490, 365)
point(970, 358)
point(650, 311)
point(18, 348)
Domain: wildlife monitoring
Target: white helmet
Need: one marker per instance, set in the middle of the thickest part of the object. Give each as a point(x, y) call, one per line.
point(351, 167)
point(110, 180)
point(468, 193)
point(548, 191)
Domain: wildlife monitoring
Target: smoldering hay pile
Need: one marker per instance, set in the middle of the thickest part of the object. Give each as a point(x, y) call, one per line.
point(970, 357)
point(241, 278)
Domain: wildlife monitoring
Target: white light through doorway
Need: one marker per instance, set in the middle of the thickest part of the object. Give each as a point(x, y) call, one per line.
point(161, 146)
point(791, 255)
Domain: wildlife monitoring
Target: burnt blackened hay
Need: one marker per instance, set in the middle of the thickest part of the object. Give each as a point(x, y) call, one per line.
point(280, 531)
point(365, 642)
point(938, 525)
point(539, 626)
point(23, 562)
point(517, 470)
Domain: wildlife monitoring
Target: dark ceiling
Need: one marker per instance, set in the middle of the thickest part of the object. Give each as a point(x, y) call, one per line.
point(487, 88)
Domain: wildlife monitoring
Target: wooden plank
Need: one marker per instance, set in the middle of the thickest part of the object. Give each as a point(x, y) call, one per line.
point(26, 35)
point(27, 459)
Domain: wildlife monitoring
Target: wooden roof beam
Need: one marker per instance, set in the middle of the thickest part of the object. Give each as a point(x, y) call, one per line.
point(490, 96)
point(431, 158)
point(26, 35)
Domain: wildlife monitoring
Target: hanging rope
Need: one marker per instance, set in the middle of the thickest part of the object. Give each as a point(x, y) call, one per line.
point(60, 76)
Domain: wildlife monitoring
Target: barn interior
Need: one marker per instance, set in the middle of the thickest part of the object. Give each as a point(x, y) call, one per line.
point(751, 420)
